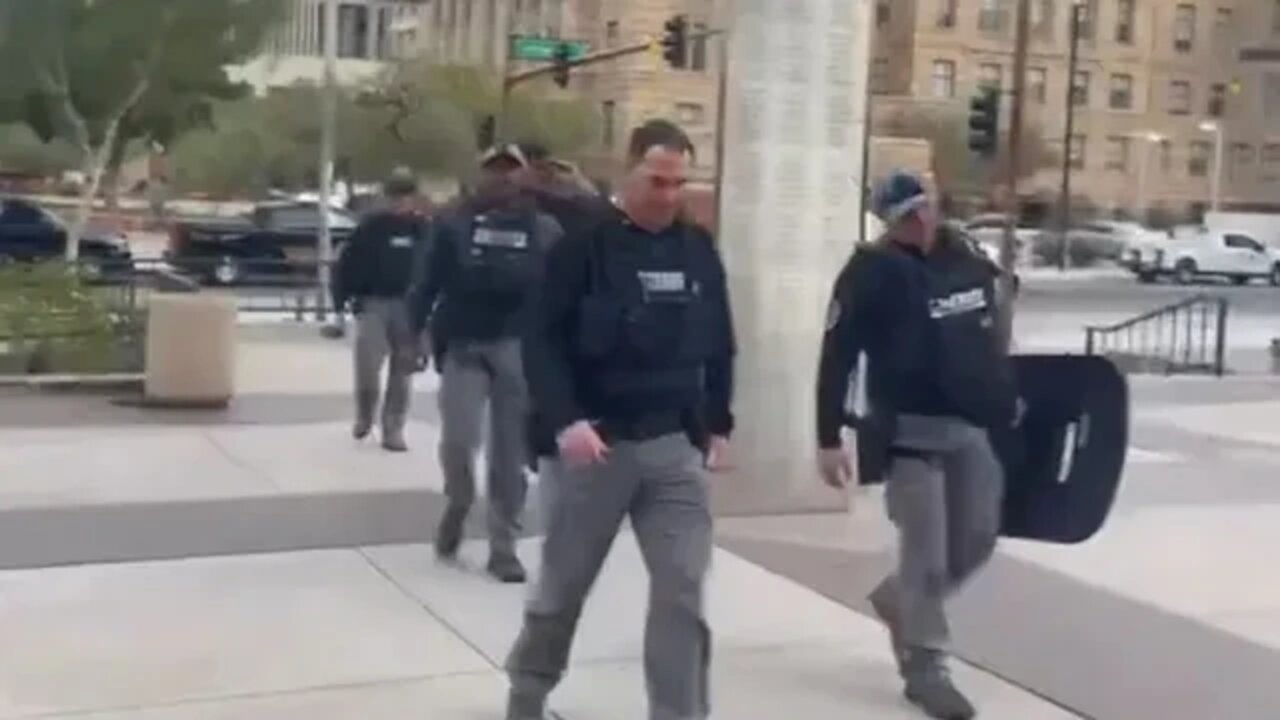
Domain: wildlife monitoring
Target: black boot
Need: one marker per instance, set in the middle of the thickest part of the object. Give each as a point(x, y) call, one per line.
point(507, 568)
point(929, 687)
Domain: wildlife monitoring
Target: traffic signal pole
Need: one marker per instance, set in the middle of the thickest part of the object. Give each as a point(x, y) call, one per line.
point(515, 79)
point(1064, 202)
point(1008, 248)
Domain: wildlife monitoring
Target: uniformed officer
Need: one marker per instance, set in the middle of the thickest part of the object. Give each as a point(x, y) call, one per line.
point(373, 274)
point(487, 257)
point(921, 304)
point(629, 362)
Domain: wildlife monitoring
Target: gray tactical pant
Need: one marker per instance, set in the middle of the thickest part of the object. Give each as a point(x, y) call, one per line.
point(947, 509)
point(476, 375)
point(660, 484)
point(383, 333)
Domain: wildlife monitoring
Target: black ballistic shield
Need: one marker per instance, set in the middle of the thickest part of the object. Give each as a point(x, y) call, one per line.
point(1063, 462)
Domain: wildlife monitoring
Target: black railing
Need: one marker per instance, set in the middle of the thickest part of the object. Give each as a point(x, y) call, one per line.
point(1187, 337)
point(53, 319)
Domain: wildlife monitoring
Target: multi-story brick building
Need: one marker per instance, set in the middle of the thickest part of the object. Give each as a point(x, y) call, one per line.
point(1155, 80)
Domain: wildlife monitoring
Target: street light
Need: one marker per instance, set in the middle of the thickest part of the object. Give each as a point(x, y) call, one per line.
point(1215, 192)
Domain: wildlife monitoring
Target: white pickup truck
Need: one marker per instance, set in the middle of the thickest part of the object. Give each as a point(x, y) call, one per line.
point(1188, 257)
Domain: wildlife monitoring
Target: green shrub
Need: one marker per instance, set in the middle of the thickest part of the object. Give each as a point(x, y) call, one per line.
point(51, 322)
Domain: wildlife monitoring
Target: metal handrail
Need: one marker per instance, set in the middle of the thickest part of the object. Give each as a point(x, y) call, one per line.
point(1181, 304)
point(1168, 336)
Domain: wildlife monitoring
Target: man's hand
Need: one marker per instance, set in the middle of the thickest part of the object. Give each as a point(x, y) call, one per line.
point(717, 459)
point(834, 465)
point(580, 445)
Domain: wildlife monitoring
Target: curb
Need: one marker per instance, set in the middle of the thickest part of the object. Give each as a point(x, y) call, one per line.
point(74, 381)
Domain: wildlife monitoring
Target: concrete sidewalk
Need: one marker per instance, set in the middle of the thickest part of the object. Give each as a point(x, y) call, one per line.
point(386, 634)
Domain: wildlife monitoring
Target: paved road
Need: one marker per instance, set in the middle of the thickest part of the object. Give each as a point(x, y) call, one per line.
point(1123, 296)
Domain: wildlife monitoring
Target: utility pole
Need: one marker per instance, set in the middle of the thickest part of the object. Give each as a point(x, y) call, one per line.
point(1064, 202)
point(328, 112)
point(1008, 249)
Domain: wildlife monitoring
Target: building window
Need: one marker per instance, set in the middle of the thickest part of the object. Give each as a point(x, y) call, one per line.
point(947, 13)
point(1179, 97)
point(1077, 151)
point(990, 76)
point(1184, 28)
point(691, 114)
point(1198, 160)
point(698, 49)
point(611, 33)
point(1037, 84)
point(1217, 100)
point(353, 31)
point(991, 16)
point(1275, 17)
point(608, 123)
point(1126, 16)
point(1121, 92)
point(1080, 89)
point(1042, 15)
point(879, 76)
point(1166, 155)
point(882, 13)
point(944, 79)
point(1271, 162)
point(1088, 19)
point(1118, 153)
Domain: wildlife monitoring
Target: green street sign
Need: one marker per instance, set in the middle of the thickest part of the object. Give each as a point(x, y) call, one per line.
point(540, 48)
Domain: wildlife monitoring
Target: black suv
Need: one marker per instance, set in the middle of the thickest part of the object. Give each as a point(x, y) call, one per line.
point(29, 233)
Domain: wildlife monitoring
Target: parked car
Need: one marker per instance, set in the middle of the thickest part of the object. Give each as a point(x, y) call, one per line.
point(988, 231)
point(277, 241)
point(1189, 257)
point(30, 233)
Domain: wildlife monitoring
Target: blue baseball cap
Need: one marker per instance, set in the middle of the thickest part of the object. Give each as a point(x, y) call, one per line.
point(897, 196)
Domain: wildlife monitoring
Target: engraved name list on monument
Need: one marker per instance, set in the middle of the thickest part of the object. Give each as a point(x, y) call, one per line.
point(792, 181)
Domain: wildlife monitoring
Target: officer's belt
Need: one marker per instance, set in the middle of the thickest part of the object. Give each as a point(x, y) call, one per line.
point(897, 451)
point(646, 426)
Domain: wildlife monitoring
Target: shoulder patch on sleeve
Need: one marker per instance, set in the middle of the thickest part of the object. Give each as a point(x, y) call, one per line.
point(833, 315)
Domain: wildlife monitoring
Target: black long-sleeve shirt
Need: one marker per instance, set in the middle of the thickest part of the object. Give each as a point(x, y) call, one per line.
point(554, 371)
point(378, 259)
point(435, 289)
point(923, 321)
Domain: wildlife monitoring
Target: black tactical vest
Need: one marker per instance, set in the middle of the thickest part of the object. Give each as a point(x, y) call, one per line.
point(949, 337)
point(499, 257)
point(644, 325)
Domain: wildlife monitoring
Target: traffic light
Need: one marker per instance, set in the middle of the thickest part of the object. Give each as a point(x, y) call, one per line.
point(984, 122)
point(564, 54)
point(675, 41)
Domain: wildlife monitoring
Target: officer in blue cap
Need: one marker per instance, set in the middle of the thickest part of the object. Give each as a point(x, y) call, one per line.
point(920, 303)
